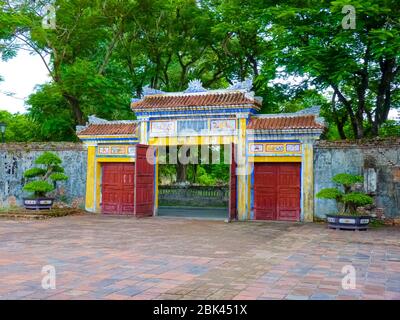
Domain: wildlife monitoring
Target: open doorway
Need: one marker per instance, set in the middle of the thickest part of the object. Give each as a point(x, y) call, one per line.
point(198, 189)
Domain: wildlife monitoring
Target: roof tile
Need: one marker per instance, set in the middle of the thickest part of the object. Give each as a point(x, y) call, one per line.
point(109, 129)
point(189, 101)
point(282, 123)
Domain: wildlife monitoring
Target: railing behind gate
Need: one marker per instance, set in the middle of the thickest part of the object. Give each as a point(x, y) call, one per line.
point(204, 196)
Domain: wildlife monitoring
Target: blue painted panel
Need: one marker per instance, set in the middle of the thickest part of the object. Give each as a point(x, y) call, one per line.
point(192, 125)
point(278, 141)
point(191, 113)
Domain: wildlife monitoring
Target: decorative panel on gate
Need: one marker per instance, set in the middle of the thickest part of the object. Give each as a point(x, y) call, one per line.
point(116, 150)
point(279, 148)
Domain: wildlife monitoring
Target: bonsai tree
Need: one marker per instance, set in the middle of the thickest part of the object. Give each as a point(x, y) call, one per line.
point(350, 200)
point(47, 174)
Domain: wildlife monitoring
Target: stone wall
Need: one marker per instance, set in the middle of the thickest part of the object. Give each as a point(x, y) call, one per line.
point(377, 160)
point(15, 158)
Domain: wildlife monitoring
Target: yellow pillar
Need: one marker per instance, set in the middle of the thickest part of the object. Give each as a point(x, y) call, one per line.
point(242, 171)
point(98, 186)
point(90, 179)
point(143, 139)
point(308, 182)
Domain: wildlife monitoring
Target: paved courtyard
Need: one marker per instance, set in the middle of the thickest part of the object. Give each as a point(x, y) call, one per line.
point(99, 257)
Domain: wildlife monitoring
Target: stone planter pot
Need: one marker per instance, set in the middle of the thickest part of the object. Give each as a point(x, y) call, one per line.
point(38, 203)
point(348, 222)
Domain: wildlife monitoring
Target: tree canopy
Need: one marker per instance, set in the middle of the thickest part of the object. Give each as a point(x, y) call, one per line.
point(102, 53)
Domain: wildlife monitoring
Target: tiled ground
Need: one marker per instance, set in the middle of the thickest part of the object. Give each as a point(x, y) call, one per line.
point(100, 257)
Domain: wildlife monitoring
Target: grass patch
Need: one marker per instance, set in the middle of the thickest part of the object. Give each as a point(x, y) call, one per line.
point(375, 223)
point(21, 213)
point(319, 220)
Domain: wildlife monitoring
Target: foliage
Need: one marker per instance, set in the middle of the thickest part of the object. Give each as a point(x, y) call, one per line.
point(39, 188)
point(204, 178)
point(206, 175)
point(347, 180)
point(356, 199)
point(58, 176)
point(20, 127)
point(103, 52)
point(47, 175)
point(360, 67)
point(34, 172)
point(48, 159)
point(390, 128)
point(330, 193)
point(350, 200)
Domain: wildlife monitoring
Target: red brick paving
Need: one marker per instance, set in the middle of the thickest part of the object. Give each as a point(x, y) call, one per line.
point(99, 257)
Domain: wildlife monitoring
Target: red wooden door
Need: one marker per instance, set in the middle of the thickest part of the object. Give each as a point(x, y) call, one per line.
point(277, 191)
point(265, 191)
point(232, 186)
point(144, 181)
point(118, 188)
point(288, 201)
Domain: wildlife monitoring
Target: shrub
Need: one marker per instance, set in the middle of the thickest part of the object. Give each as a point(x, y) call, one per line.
point(46, 176)
point(356, 199)
point(347, 180)
point(330, 193)
point(39, 187)
point(349, 200)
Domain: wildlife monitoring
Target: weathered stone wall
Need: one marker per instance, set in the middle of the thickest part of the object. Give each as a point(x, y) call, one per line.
point(15, 158)
point(377, 160)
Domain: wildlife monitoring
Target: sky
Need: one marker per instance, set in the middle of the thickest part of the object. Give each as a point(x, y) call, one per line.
point(20, 74)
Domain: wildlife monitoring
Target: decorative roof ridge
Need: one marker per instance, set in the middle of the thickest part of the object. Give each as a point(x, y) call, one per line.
point(312, 111)
point(246, 94)
point(92, 119)
point(280, 115)
point(117, 122)
point(200, 93)
point(195, 87)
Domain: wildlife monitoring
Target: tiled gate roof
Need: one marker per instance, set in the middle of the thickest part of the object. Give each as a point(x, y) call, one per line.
point(109, 129)
point(189, 101)
point(284, 123)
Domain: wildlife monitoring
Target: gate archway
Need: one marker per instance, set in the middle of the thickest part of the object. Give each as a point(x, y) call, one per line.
point(210, 117)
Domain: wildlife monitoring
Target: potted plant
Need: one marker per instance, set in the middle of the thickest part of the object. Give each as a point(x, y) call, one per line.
point(47, 174)
point(347, 201)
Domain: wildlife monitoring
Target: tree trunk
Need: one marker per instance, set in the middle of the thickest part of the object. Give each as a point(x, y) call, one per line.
point(383, 100)
point(340, 121)
point(194, 180)
point(74, 103)
point(181, 172)
point(355, 125)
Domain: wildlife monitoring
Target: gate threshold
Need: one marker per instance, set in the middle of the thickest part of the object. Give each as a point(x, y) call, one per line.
point(208, 213)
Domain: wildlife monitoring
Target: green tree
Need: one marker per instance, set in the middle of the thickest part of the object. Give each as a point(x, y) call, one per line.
point(47, 175)
point(77, 53)
point(349, 199)
point(20, 127)
point(360, 66)
point(103, 52)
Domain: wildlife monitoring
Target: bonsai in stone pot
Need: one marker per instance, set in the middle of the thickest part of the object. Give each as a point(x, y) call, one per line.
point(348, 200)
point(46, 176)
